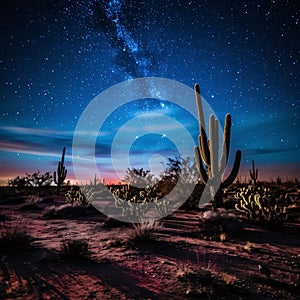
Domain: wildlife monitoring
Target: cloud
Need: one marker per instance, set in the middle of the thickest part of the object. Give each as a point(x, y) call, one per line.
point(266, 151)
point(35, 131)
point(34, 141)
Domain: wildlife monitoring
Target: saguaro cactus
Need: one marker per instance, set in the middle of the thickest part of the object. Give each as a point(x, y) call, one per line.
point(253, 173)
point(61, 172)
point(207, 153)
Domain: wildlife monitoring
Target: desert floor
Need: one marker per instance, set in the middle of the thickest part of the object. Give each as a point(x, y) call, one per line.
point(177, 264)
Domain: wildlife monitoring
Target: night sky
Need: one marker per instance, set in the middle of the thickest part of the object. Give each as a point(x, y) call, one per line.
point(56, 56)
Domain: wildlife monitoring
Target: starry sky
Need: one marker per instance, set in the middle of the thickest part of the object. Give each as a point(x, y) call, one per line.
point(58, 55)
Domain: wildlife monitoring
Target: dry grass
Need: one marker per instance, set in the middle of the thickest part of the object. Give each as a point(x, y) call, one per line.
point(13, 236)
point(66, 211)
point(218, 225)
point(144, 231)
point(33, 199)
point(75, 249)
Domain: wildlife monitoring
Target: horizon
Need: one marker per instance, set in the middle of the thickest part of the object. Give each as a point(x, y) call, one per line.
point(265, 174)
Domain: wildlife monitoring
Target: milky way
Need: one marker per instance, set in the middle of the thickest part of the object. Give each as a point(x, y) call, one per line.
point(56, 56)
point(133, 54)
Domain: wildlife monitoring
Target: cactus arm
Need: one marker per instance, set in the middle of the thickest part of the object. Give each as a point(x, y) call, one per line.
point(197, 157)
point(64, 174)
point(63, 157)
point(54, 177)
point(214, 145)
point(227, 134)
point(203, 143)
point(199, 106)
point(199, 165)
point(223, 160)
point(235, 169)
point(226, 143)
point(257, 201)
point(216, 134)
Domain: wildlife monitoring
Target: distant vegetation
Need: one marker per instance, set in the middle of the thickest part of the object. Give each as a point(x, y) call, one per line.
point(32, 180)
point(60, 175)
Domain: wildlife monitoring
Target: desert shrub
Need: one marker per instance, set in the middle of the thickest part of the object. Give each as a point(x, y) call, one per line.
point(13, 236)
point(80, 195)
point(33, 199)
point(198, 284)
point(18, 182)
point(134, 201)
point(144, 231)
point(65, 211)
point(139, 177)
point(185, 169)
point(259, 205)
point(75, 249)
point(202, 284)
point(218, 225)
point(31, 203)
point(74, 195)
point(162, 207)
point(36, 179)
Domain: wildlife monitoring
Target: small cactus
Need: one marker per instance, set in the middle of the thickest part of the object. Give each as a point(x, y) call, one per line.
point(258, 205)
point(61, 172)
point(82, 196)
point(134, 203)
point(253, 173)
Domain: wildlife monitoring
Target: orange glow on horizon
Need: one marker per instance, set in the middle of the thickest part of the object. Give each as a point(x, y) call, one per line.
point(265, 173)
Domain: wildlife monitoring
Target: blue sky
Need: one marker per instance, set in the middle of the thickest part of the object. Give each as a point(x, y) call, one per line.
point(57, 56)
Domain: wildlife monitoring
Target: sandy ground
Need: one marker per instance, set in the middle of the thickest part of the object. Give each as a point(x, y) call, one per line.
point(178, 264)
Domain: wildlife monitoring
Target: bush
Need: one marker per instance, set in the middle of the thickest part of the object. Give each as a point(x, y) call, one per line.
point(144, 231)
point(183, 168)
point(198, 284)
point(64, 211)
point(218, 225)
point(33, 199)
point(80, 195)
point(35, 179)
point(202, 284)
point(31, 203)
point(75, 249)
point(132, 201)
point(13, 236)
point(258, 205)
